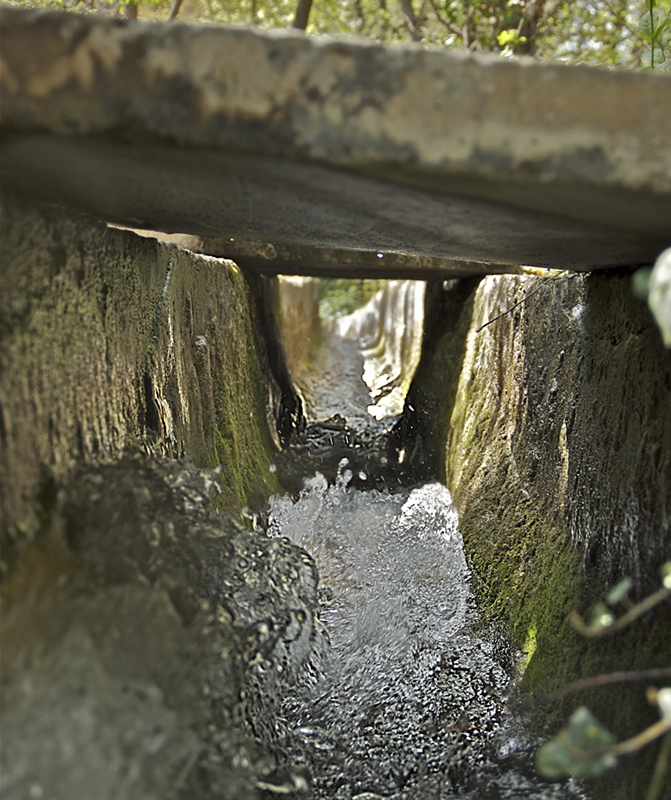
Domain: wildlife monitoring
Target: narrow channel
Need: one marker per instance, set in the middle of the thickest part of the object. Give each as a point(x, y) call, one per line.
point(410, 696)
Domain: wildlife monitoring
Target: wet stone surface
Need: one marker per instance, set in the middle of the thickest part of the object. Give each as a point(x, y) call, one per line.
point(322, 446)
point(148, 644)
point(155, 649)
point(339, 427)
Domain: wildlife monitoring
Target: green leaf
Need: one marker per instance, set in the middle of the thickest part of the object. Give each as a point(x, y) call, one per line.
point(663, 25)
point(619, 591)
point(640, 282)
point(599, 616)
point(510, 37)
point(654, 56)
point(649, 23)
point(583, 748)
point(666, 574)
point(665, 65)
point(586, 733)
point(554, 761)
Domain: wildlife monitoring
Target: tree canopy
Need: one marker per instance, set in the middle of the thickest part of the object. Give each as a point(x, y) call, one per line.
point(606, 32)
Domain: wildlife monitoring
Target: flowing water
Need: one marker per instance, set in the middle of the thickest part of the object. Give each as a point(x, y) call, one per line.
point(411, 698)
point(411, 701)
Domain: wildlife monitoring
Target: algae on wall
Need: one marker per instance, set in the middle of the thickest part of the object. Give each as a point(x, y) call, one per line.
point(556, 425)
point(146, 641)
point(110, 340)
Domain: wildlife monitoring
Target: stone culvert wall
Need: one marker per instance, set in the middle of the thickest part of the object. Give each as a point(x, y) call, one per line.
point(145, 639)
point(110, 341)
point(551, 426)
point(147, 643)
point(297, 309)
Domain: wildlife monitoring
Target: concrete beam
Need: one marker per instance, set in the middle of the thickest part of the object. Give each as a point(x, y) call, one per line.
point(435, 158)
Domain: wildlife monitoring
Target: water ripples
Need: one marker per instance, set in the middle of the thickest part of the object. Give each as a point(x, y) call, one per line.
point(411, 701)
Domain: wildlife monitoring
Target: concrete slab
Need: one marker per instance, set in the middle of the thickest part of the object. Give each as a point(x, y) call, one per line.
point(336, 151)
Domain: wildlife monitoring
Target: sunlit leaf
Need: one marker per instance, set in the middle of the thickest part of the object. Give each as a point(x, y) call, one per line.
point(649, 23)
point(510, 37)
point(619, 591)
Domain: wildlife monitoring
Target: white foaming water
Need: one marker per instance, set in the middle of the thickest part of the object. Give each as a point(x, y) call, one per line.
point(395, 567)
point(410, 704)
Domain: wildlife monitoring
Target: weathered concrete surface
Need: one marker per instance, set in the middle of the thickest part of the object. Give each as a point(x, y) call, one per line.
point(338, 145)
point(319, 261)
point(146, 643)
point(552, 428)
point(145, 640)
point(389, 330)
point(111, 341)
point(297, 309)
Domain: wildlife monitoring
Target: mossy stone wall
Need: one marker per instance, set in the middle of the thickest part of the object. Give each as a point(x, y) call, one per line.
point(147, 641)
point(546, 406)
point(111, 341)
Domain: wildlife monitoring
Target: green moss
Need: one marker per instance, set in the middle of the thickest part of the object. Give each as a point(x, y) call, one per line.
point(529, 647)
point(556, 425)
point(525, 574)
point(228, 391)
point(111, 341)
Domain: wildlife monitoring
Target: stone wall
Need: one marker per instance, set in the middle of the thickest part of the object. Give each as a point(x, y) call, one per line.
point(546, 407)
point(146, 641)
point(297, 310)
point(390, 328)
point(111, 341)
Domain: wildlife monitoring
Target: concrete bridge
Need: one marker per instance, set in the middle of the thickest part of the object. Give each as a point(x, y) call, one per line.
point(324, 157)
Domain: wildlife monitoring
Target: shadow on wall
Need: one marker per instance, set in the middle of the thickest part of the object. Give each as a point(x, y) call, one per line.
point(110, 341)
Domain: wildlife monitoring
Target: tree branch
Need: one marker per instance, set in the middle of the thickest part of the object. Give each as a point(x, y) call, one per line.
point(591, 632)
point(445, 23)
point(411, 20)
point(302, 15)
point(613, 677)
point(174, 9)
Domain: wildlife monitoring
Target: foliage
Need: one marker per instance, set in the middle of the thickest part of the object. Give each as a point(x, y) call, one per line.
point(653, 284)
point(652, 27)
point(107, 7)
point(342, 296)
point(608, 32)
point(584, 747)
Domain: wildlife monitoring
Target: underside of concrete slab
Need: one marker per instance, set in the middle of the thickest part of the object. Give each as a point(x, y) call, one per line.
point(319, 156)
